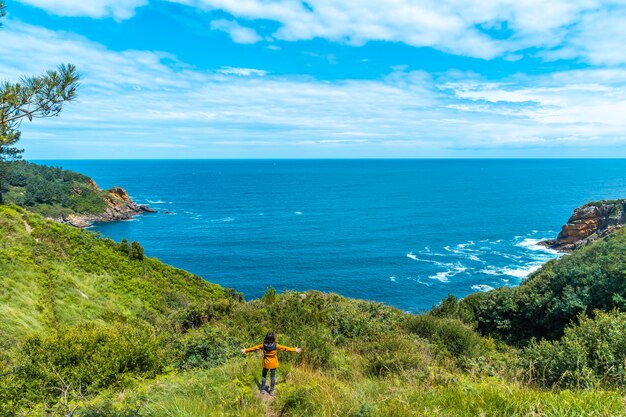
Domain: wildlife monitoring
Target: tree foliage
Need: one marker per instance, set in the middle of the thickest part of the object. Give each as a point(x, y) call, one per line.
point(33, 97)
point(52, 191)
point(136, 251)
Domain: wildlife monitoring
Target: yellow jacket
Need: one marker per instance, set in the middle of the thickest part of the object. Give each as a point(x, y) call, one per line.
point(270, 358)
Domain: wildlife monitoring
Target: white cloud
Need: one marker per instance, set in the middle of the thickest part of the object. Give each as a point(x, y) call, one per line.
point(591, 30)
point(243, 72)
point(118, 9)
point(599, 38)
point(238, 33)
point(143, 105)
point(586, 29)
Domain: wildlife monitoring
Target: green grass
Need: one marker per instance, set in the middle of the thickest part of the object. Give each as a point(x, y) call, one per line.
point(58, 275)
point(230, 390)
point(138, 338)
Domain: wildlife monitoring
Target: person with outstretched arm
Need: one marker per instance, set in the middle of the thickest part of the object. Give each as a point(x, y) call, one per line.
point(270, 359)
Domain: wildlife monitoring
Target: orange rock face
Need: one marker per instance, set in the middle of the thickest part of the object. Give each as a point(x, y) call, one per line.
point(589, 222)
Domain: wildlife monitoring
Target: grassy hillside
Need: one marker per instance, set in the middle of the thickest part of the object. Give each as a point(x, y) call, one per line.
point(52, 191)
point(52, 275)
point(90, 329)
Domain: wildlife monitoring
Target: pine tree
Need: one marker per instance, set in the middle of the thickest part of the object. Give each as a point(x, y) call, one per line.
point(270, 295)
point(136, 251)
point(125, 246)
point(31, 98)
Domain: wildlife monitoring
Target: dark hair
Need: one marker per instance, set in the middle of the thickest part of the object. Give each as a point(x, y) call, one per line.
point(270, 337)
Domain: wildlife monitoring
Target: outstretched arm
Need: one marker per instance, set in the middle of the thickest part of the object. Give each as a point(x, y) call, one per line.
point(251, 349)
point(288, 349)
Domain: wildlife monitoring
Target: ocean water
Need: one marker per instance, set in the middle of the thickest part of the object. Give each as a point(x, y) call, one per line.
point(403, 232)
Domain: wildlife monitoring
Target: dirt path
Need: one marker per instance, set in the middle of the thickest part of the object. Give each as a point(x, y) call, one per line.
point(29, 229)
point(268, 400)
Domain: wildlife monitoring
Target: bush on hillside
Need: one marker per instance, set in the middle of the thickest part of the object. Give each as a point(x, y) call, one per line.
point(455, 308)
point(395, 353)
point(590, 353)
point(451, 335)
point(590, 278)
point(136, 251)
point(205, 348)
point(87, 359)
point(197, 314)
point(317, 347)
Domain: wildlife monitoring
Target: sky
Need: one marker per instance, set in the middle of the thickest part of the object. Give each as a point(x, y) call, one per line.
point(325, 78)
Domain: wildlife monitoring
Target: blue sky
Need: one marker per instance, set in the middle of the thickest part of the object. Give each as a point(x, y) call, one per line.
point(326, 79)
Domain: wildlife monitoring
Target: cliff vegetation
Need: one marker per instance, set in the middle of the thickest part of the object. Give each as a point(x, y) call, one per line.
point(64, 195)
point(91, 327)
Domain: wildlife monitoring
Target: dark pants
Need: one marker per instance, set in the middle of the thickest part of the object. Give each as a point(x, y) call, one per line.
point(272, 378)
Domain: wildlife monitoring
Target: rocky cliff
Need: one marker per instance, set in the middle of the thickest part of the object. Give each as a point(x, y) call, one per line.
point(588, 223)
point(119, 207)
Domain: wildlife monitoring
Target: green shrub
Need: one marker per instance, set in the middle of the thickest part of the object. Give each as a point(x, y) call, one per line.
point(365, 410)
point(591, 352)
point(359, 319)
point(197, 314)
point(394, 353)
point(124, 247)
point(89, 358)
point(317, 347)
point(205, 348)
point(590, 278)
point(136, 251)
point(454, 308)
point(270, 295)
point(451, 335)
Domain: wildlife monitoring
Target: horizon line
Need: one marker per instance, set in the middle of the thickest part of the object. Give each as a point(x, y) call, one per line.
point(331, 159)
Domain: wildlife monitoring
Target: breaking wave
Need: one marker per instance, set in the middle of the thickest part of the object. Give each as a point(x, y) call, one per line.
point(499, 260)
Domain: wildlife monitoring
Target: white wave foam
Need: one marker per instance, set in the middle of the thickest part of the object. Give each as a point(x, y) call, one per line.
point(490, 271)
point(521, 272)
point(464, 245)
point(430, 261)
point(159, 202)
point(533, 244)
point(297, 212)
point(445, 275)
point(440, 276)
point(392, 279)
point(482, 287)
point(223, 220)
point(474, 258)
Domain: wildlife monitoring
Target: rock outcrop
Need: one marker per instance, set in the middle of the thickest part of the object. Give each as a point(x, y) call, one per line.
point(119, 207)
point(588, 223)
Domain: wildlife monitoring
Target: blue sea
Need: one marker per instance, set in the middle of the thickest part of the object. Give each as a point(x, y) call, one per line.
point(403, 232)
